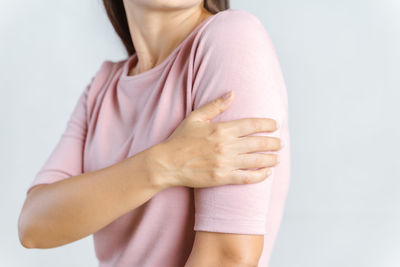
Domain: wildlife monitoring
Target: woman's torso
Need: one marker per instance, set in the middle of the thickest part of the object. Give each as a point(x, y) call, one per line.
point(128, 114)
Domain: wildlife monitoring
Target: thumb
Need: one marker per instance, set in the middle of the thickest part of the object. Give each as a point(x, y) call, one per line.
point(213, 108)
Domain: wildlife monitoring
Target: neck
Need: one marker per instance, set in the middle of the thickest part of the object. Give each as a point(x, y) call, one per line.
point(156, 32)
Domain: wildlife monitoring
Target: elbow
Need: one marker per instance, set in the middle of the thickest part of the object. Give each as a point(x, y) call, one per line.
point(26, 243)
point(30, 235)
point(26, 225)
point(26, 228)
point(24, 236)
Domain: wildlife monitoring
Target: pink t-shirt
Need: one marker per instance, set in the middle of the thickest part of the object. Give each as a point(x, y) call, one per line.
point(118, 116)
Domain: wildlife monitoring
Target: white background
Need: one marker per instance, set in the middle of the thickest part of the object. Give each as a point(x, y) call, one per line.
point(340, 61)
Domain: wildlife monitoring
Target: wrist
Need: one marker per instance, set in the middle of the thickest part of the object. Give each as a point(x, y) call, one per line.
point(156, 160)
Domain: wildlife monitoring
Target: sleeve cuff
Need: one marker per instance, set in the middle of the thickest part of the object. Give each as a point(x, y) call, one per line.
point(234, 226)
point(44, 179)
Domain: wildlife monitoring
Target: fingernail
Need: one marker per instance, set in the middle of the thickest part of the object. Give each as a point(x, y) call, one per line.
point(227, 95)
point(282, 143)
point(277, 125)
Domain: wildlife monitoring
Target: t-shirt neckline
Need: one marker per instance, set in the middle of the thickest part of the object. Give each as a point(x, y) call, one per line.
point(132, 59)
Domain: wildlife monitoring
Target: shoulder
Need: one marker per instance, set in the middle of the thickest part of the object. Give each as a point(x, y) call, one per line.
point(99, 80)
point(233, 34)
point(235, 19)
point(235, 52)
point(107, 70)
point(234, 25)
point(108, 67)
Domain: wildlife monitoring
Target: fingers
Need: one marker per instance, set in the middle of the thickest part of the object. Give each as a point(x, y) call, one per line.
point(249, 176)
point(247, 126)
point(255, 160)
point(213, 108)
point(250, 144)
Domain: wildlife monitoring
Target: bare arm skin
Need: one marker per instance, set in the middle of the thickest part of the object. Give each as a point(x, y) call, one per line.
point(225, 250)
point(197, 154)
point(70, 209)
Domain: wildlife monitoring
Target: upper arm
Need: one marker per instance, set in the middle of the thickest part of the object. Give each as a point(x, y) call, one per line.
point(213, 249)
point(66, 159)
point(236, 53)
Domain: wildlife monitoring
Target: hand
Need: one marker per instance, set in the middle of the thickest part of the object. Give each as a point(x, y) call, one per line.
point(200, 153)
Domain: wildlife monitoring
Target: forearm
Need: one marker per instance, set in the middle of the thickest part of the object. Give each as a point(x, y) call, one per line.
point(70, 209)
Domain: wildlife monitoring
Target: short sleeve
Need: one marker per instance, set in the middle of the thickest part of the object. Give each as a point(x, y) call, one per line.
point(236, 53)
point(66, 159)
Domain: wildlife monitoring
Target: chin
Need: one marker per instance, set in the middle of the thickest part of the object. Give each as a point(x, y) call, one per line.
point(165, 4)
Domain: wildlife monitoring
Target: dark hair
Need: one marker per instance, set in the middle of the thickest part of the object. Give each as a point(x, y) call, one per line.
point(116, 13)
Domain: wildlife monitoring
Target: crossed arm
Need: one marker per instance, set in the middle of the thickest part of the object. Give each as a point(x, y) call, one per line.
point(212, 249)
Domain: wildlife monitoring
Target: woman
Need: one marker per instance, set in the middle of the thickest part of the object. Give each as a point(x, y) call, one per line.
point(160, 167)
